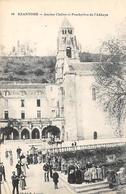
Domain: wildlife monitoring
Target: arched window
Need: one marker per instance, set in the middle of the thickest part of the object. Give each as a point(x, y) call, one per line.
point(68, 52)
point(70, 31)
point(95, 135)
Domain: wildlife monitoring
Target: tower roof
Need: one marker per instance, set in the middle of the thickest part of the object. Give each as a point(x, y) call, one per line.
point(66, 24)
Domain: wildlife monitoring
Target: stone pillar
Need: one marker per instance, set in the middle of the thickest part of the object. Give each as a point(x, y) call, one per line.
point(12, 136)
point(19, 134)
point(30, 133)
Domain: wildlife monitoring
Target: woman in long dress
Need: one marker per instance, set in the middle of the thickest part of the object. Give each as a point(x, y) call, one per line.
point(22, 181)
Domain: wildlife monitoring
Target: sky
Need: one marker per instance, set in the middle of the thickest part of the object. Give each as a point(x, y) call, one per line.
point(41, 31)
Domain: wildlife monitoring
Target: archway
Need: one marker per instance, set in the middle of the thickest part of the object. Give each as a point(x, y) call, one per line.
point(25, 134)
point(15, 134)
point(95, 135)
point(51, 132)
point(35, 134)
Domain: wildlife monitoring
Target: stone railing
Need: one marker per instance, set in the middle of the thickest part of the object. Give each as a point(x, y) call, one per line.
point(84, 147)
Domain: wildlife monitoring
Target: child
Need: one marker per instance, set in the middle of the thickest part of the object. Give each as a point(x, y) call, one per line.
point(22, 181)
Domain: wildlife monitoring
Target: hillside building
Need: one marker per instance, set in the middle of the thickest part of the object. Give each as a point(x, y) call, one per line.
point(67, 109)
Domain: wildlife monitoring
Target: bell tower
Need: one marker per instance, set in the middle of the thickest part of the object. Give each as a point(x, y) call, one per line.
point(67, 48)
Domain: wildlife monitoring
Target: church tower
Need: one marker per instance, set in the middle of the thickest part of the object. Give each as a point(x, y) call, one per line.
point(67, 48)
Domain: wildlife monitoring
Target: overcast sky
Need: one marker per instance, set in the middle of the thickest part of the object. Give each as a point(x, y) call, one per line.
point(43, 30)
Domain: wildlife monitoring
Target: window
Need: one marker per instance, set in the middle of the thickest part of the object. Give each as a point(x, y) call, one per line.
point(22, 103)
point(22, 115)
point(95, 135)
point(68, 52)
point(38, 103)
point(6, 115)
point(38, 114)
point(93, 94)
point(70, 31)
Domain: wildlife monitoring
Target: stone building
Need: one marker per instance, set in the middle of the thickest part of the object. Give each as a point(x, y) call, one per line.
point(68, 107)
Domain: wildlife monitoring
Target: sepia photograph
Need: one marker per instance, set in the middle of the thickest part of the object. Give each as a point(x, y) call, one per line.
point(62, 97)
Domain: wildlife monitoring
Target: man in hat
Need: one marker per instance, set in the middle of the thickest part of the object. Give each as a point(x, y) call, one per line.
point(2, 170)
point(15, 182)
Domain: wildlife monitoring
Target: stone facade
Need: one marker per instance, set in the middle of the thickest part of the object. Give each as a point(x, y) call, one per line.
point(69, 104)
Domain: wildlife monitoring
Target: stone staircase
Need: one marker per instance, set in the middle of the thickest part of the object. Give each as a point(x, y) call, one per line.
point(92, 188)
point(85, 188)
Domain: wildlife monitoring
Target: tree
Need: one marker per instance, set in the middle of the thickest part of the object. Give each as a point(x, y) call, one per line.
point(110, 82)
point(7, 130)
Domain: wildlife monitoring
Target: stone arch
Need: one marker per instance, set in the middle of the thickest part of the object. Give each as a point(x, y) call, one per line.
point(15, 133)
point(25, 134)
point(35, 133)
point(51, 131)
point(6, 92)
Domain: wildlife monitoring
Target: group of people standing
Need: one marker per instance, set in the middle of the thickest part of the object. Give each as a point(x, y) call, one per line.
point(19, 177)
point(116, 178)
point(90, 173)
point(50, 172)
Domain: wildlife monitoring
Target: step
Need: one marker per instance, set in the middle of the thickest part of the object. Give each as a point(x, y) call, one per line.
point(105, 190)
point(91, 187)
point(91, 184)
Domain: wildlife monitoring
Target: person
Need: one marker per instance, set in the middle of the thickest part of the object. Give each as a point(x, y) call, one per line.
point(78, 176)
point(71, 174)
point(99, 173)
point(87, 175)
point(112, 179)
point(93, 173)
point(22, 181)
point(50, 169)
point(11, 159)
point(15, 182)
point(46, 172)
point(18, 152)
point(2, 170)
point(6, 154)
point(75, 143)
point(24, 163)
point(28, 159)
point(55, 179)
point(18, 167)
point(121, 176)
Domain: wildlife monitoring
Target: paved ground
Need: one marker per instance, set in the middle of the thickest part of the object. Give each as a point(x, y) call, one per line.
point(35, 181)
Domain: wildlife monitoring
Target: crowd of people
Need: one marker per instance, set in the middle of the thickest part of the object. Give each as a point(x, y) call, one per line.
point(90, 173)
point(23, 161)
point(51, 163)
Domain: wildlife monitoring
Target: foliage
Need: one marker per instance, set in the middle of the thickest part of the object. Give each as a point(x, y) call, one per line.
point(38, 72)
point(110, 82)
